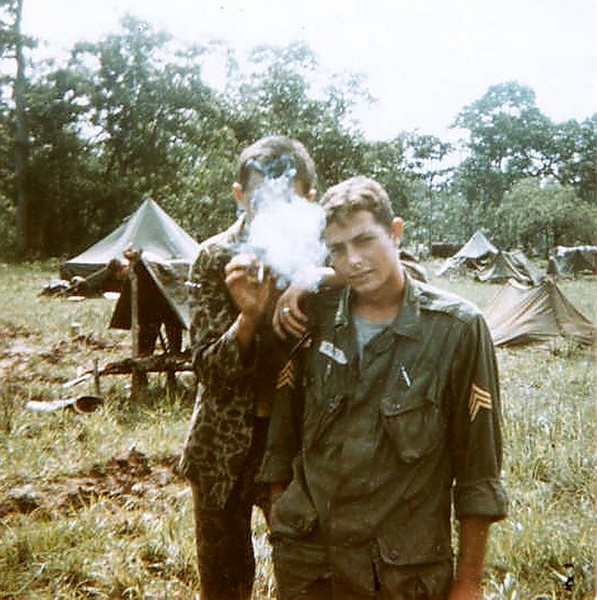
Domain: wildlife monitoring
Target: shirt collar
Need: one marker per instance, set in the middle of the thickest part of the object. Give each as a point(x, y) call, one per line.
point(240, 228)
point(236, 233)
point(407, 323)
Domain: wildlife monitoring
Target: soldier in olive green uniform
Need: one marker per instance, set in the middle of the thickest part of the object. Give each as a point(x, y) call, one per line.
point(236, 357)
point(386, 419)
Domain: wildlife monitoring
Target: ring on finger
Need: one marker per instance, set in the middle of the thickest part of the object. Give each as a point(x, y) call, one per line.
point(285, 310)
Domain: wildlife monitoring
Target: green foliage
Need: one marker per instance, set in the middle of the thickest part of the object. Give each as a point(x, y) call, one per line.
point(428, 211)
point(508, 133)
point(132, 115)
point(509, 139)
point(277, 95)
point(153, 117)
point(436, 214)
point(549, 416)
point(536, 216)
point(385, 162)
point(575, 150)
point(8, 242)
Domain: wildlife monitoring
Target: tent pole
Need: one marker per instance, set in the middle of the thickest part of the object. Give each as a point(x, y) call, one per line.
point(137, 377)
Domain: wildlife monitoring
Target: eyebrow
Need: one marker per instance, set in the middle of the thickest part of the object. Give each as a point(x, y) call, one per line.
point(358, 237)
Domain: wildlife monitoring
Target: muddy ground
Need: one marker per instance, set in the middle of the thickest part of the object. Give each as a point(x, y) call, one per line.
point(26, 364)
point(118, 479)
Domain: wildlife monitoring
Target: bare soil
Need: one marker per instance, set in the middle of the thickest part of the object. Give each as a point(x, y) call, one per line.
point(118, 479)
point(24, 360)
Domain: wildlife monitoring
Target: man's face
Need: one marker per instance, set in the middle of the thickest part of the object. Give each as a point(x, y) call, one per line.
point(364, 252)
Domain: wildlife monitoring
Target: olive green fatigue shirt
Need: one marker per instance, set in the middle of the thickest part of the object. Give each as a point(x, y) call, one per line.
point(379, 448)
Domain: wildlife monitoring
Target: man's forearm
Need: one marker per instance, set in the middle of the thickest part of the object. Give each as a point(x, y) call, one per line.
point(244, 329)
point(472, 545)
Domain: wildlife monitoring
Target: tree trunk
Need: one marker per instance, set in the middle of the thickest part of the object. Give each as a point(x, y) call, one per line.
point(21, 137)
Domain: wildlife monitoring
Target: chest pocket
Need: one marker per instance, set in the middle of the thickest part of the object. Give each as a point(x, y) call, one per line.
point(413, 418)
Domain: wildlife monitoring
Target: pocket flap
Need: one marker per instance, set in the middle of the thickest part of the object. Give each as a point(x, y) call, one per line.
point(407, 391)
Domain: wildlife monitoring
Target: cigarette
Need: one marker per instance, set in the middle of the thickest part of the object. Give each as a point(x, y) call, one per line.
point(260, 272)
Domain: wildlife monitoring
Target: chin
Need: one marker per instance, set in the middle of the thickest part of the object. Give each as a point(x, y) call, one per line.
point(365, 287)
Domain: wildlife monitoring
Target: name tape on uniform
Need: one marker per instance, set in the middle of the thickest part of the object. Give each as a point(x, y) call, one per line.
point(336, 354)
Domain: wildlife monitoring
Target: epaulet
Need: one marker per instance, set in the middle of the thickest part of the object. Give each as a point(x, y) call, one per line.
point(436, 300)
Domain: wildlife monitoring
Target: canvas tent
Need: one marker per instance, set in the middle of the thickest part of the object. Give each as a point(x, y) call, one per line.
point(509, 265)
point(520, 314)
point(472, 254)
point(570, 261)
point(149, 228)
point(167, 251)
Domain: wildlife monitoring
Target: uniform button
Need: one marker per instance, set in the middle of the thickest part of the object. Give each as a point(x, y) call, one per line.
point(334, 402)
point(393, 555)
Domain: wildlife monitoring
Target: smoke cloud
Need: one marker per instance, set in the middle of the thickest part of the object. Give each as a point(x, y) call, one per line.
point(286, 233)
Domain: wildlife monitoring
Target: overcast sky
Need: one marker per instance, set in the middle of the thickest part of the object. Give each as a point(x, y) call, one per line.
point(424, 59)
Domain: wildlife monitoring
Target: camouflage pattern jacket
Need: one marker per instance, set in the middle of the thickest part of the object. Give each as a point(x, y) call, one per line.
point(221, 428)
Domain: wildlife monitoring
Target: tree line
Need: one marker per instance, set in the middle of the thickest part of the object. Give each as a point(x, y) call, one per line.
point(84, 140)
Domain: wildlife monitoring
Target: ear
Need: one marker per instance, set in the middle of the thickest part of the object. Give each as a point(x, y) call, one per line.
point(397, 230)
point(237, 192)
point(311, 195)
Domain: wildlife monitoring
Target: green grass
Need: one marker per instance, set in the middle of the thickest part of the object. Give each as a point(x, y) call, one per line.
point(91, 507)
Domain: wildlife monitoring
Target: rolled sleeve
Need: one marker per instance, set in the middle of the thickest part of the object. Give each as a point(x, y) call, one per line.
point(481, 499)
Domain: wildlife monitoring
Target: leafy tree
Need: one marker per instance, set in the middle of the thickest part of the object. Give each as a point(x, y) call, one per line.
point(128, 117)
point(424, 159)
point(64, 180)
point(278, 95)
point(536, 216)
point(12, 46)
point(575, 152)
point(143, 105)
point(385, 162)
point(509, 140)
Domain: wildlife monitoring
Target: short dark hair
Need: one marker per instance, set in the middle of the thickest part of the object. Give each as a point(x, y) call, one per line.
point(344, 199)
point(270, 149)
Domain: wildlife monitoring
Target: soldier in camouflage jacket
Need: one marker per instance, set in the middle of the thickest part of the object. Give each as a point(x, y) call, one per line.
point(236, 358)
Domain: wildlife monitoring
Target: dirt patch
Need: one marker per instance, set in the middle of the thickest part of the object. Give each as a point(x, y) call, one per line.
point(120, 478)
point(15, 346)
point(25, 359)
point(10, 330)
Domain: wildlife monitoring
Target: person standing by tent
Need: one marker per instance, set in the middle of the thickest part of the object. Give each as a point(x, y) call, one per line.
point(388, 418)
point(236, 357)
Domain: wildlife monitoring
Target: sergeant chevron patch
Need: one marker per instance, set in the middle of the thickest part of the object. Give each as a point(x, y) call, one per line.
point(479, 399)
point(286, 376)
